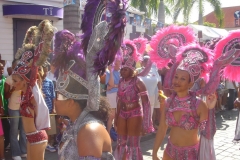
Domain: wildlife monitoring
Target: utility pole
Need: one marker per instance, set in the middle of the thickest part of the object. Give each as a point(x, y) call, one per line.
point(71, 17)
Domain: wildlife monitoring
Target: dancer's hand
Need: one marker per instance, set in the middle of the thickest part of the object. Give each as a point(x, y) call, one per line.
point(211, 101)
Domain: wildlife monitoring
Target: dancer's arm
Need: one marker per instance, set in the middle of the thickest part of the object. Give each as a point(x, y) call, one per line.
point(207, 125)
point(147, 119)
point(117, 113)
point(161, 131)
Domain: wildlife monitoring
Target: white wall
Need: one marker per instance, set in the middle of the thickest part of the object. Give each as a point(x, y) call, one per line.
point(6, 25)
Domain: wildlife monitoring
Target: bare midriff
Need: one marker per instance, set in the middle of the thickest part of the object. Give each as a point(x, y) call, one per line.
point(182, 138)
point(28, 123)
point(129, 106)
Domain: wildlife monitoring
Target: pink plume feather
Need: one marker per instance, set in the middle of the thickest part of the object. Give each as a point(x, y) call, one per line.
point(206, 66)
point(141, 44)
point(225, 44)
point(162, 35)
point(135, 55)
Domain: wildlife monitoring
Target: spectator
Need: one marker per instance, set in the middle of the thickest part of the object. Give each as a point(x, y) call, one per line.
point(231, 86)
point(153, 83)
point(7, 67)
point(50, 74)
point(49, 95)
point(18, 147)
point(5, 121)
point(112, 81)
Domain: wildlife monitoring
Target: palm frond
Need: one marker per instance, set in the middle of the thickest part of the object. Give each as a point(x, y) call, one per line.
point(216, 4)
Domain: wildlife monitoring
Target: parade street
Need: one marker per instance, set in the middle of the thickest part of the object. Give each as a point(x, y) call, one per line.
point(225, 149)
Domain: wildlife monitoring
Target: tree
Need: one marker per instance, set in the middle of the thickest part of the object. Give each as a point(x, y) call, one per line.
point(71, 17)
point(187, 5)
point(152, 7)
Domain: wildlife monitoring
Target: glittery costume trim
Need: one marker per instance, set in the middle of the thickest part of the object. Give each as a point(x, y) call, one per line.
point(147, 119)
point(189, 120)
point(37, 137)
point(121, 148)
point(64, 80)
point(208, 127)
point(134, 152)
point(182, 153)
point(25, 105)
point(132, 113)
point(127, 91)
point(89, 158)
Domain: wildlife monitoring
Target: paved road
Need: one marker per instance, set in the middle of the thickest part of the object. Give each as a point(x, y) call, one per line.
point(224, 147)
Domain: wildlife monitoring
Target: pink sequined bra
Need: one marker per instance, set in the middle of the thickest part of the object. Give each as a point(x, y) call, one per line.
point(128, 91)
point(189, 120)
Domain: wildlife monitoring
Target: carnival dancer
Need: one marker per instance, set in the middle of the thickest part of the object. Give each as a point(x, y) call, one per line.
point(183, 111)
point(78, 140)
point(35, 117)
point(132, 119)
point(79, 65)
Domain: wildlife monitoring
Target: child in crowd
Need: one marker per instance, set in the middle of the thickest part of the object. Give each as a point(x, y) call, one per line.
point(49, 95)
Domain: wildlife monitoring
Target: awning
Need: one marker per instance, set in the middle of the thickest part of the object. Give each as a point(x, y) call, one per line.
point(32, 9)
point(209, 32)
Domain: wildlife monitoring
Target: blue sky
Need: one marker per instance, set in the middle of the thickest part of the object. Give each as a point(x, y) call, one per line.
point(207, 9)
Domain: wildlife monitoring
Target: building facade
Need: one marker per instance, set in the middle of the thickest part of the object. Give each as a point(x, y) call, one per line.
point(231, 18)
point(18, 15)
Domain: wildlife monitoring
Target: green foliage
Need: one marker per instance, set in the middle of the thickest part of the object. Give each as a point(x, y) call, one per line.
point(150, 7)
point(209, 24)
point(185, 7)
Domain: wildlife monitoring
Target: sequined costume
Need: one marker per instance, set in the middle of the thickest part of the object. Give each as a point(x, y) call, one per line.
point(198, 62)
point(69, 150)
point(188, 121)
point(128, 96)
point(34, 52)
point(79, 64)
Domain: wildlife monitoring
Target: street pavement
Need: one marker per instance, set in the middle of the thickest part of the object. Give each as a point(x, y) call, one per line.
point(225, 149)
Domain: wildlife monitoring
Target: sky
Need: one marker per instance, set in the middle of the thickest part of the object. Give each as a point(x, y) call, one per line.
point(207, 9)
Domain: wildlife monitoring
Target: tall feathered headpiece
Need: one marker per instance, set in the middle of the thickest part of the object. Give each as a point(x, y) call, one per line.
point(130, 55)
point(194, 59)
point(34, 52)
point(141, 44)
point(113, 32)
point(232, 41)
point(227, 53)
point(80, 63)
point(166, 42)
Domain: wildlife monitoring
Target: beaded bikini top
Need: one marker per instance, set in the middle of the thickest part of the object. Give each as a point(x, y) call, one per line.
point(189, 120)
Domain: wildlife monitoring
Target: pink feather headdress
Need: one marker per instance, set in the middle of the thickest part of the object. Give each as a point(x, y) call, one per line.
point(130, 54)
point(141, 44)
point(166, 41)
point(232, 70)
point(196, 60)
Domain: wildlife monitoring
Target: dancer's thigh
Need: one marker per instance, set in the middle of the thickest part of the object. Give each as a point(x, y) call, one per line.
point(166, 156)
point(36, 151)
point(121, 126)
point(134, 126)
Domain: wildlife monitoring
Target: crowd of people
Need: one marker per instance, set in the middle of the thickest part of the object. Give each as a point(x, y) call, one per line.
point(170, 82)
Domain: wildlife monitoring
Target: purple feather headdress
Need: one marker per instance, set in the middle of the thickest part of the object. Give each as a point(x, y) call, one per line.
point(87, 22)
point(67, 49)
point(114, 37)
